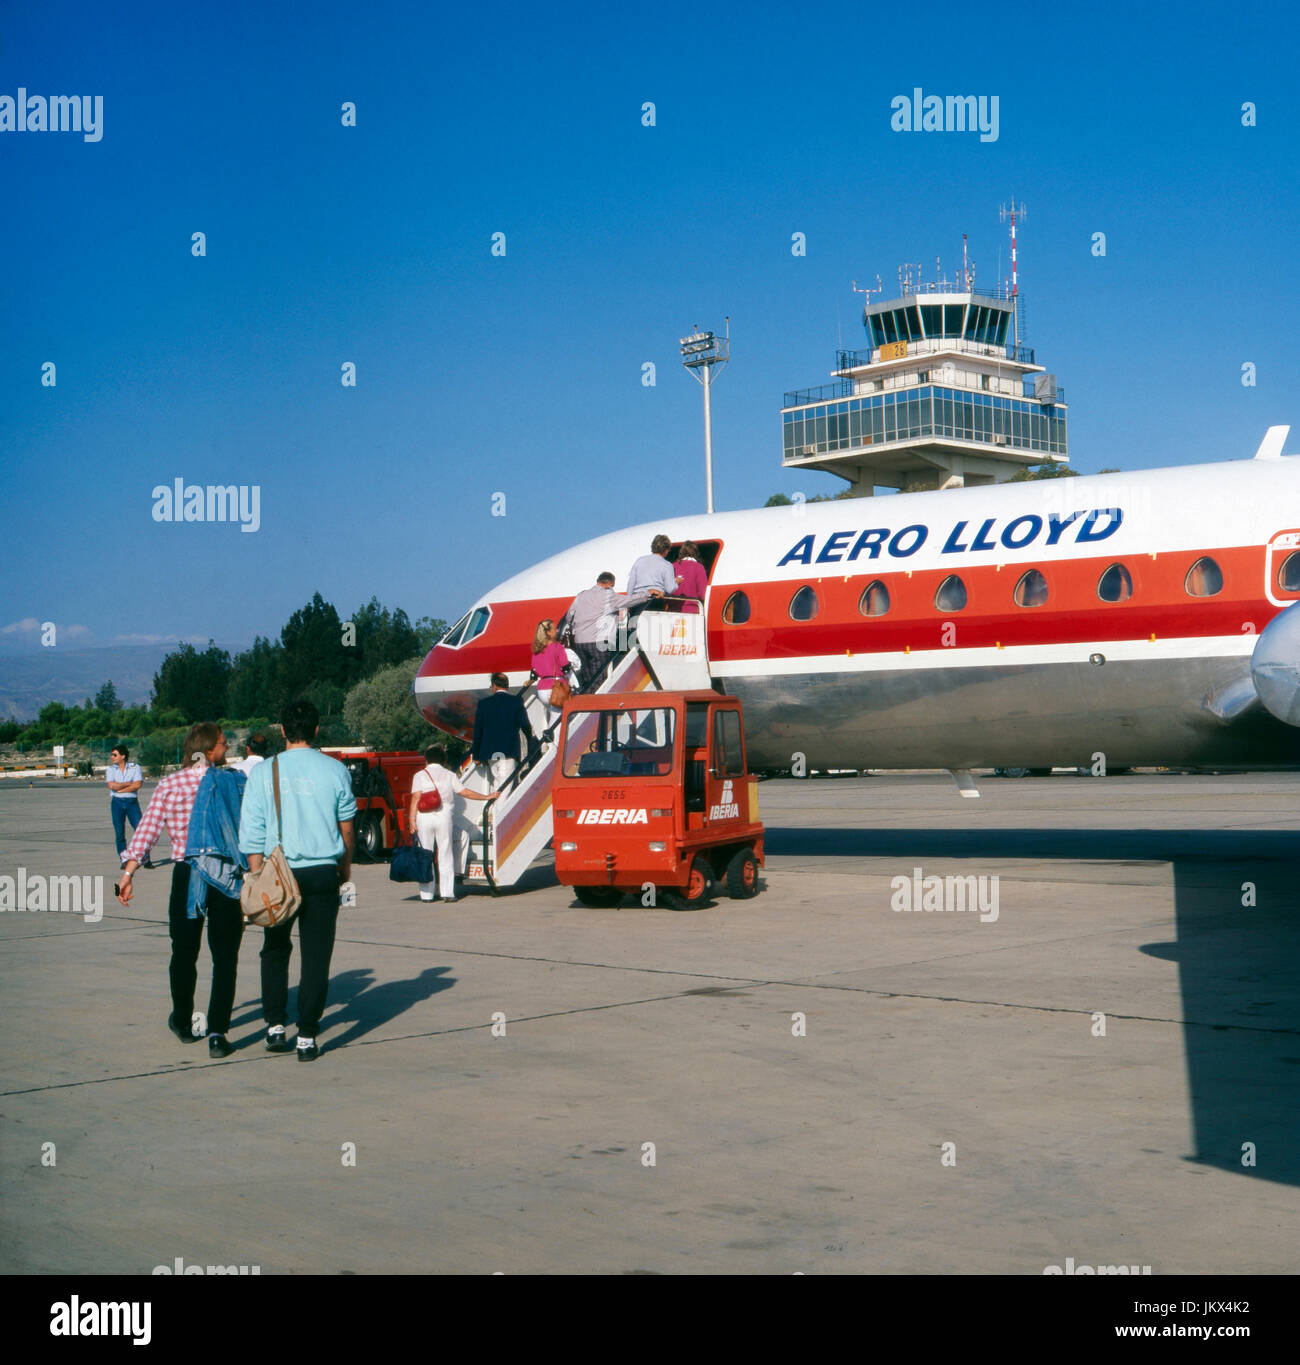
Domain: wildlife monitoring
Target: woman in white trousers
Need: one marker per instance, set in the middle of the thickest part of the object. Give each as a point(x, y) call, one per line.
point(434, 828)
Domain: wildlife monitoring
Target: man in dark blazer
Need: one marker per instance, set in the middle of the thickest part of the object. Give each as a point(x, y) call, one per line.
point(499, 720)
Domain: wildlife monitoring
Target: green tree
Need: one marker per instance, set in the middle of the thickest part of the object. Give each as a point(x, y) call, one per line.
point(255, 680)
point(926, 481)
point(1045, 471)
point(161, 747)
point(312, 651)
point(106, 699)
point(54, 715)
point(94, 724)
point(383, 638)
point(779, 500)
point(381, 712)
point(129, 720)
point(428, 631)
point(193, 683)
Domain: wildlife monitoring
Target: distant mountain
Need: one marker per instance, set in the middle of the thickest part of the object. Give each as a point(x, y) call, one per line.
point(30, 679)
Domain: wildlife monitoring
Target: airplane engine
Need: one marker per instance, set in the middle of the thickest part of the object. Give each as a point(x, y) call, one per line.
point(1275, 666)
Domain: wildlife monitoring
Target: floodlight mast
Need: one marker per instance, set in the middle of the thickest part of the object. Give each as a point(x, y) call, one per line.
point(701, 352)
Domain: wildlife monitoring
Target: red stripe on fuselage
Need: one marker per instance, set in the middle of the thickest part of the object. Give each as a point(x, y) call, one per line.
point(1073, 613)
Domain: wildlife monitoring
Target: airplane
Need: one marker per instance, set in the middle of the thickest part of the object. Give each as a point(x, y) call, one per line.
point(1148, 617)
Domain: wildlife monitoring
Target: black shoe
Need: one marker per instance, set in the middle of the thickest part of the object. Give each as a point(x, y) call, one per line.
point(308, 1054)
point(218, 1046)
point(278, 1042)
point(184, 1034)
point(451, 900)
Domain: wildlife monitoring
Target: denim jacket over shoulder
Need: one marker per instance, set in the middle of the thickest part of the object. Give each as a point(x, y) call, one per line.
point(212, 844)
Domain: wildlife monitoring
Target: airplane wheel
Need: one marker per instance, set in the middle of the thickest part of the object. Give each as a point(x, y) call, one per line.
point(598, 897)
point(696, 891)
point(742, 875)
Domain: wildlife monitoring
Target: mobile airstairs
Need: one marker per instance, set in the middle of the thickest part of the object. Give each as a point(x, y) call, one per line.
point(499, 839)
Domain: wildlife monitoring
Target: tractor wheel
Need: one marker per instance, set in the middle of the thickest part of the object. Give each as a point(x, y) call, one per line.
point(598, 897)
point(742, 875)
point(369, 837)
point(696, 891)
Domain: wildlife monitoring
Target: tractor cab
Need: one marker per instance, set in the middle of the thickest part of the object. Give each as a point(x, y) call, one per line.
point(651, 787)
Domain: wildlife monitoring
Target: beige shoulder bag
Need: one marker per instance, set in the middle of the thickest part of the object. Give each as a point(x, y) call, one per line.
point(270, 896)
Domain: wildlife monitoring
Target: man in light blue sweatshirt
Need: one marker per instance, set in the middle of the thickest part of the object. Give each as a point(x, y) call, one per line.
point(315, 831)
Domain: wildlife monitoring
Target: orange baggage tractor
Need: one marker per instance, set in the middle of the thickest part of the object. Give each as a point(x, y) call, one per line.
point(651, 788)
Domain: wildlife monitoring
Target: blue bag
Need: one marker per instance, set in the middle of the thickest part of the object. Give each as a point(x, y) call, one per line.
point(411, 863)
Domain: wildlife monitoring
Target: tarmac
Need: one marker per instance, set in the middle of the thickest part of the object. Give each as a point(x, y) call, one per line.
point(1103, 1065)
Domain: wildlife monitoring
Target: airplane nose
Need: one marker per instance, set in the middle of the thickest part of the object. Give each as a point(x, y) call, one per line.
point(443, 698)
point(1275, 665)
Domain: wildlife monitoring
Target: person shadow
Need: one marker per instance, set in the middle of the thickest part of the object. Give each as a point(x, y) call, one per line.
point(355, 1000)
point(365, 1005)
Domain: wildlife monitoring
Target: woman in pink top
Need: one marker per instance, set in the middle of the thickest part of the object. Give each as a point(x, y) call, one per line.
point(550, 663)
point(691, 578)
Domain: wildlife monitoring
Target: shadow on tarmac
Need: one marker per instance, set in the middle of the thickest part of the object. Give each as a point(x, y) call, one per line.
point(356, 999)
point(1236, 944)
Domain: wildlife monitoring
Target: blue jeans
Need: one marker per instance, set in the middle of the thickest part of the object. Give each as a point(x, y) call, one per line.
point(122, 812)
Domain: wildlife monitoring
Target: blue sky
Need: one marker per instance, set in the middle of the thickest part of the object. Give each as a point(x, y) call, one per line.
point(521, 374)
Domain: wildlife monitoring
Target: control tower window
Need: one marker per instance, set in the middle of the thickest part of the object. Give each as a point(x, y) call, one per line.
point(1288, 573)
point(736, 611)
point(1115, 585)
point(804, 604)
point(874, 600)
point(1204, 578)
point(1031, 591)
point(951, 595)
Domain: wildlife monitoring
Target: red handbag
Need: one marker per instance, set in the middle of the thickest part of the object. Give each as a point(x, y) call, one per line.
point(429, 801)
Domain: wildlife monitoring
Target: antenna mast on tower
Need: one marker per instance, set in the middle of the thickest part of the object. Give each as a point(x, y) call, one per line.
point(1014, 212)
point(879, 289)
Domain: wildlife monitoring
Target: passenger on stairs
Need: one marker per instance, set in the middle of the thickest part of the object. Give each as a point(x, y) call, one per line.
point(499, 720)
point(550, 668)
point(691, 578)
point(651, 576)
point(593, 618)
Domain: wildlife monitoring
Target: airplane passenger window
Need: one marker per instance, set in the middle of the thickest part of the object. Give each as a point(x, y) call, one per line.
point(1031, 591)
point(736, 612)
point(1204, 578)
point(804, 605)
point(874, 600)
point(1288, 573)
point(1115, 585)
point(951, 595)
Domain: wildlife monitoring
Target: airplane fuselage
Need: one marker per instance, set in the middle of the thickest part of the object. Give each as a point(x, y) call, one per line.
point(1036, 624)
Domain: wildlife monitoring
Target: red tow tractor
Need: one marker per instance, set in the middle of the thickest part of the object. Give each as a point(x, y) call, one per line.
point(652, 788)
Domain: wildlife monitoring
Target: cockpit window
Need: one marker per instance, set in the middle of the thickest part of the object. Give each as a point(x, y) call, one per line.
point(471, 625)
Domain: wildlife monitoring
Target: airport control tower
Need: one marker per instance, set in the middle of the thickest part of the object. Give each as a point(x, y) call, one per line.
point(946, 386)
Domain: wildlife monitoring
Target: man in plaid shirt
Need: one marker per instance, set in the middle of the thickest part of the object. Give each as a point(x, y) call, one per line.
point(170, 805)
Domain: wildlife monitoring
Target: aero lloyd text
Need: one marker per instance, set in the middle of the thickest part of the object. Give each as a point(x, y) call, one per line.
point(1097, 524)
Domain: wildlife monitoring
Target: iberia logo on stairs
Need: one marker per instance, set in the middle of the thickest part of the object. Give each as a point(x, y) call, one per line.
point(679, 641)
